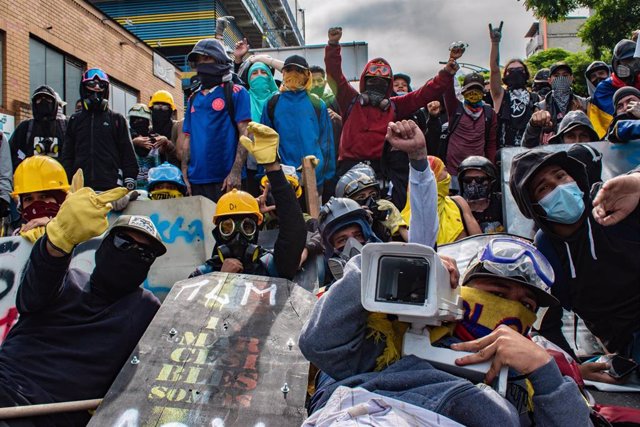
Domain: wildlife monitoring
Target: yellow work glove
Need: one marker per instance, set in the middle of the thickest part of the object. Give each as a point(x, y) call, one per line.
point(394, 220)
point(264, 146)
point(34, 234)
point(82, 216)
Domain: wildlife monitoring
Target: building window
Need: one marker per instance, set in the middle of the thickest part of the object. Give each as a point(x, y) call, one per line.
point(121, 98)
point(53, 68)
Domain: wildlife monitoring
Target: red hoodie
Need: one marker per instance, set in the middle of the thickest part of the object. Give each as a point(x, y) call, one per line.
point(365, 127)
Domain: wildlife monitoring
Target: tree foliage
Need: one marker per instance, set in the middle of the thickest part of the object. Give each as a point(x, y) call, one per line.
point(612, 20)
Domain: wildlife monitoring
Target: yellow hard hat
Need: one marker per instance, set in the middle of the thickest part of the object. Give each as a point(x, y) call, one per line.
point(293, 181)
point(39, 173)
point(237, 203)
point(162, 96)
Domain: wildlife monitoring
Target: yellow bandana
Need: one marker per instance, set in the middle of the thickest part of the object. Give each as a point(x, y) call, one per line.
point(484, 312)
point(295, 80)
point(164, 194)
point(449, 214)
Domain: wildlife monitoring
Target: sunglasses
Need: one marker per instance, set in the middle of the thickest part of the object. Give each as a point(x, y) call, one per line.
point(379, 69)
point(246, 226)
point(476, 179)
point(126, 243)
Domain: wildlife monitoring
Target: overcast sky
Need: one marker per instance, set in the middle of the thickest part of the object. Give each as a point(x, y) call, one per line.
point(413, 35)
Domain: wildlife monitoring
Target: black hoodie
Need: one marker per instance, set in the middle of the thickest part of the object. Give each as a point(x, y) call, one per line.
point(597, 269)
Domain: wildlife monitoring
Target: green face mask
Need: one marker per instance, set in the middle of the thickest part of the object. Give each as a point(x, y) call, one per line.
point(260, 86)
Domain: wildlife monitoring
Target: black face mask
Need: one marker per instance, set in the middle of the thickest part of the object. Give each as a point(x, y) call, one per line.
point(44, 110)
point(117, 273)
point(516, 79)
point(376, 89)
point(212, 74)
point(475, 191)
point(140, 126)
point(161, 119)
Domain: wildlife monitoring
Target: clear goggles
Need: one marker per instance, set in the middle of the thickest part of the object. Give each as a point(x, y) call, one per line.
point(246, 226)
point(517, 258)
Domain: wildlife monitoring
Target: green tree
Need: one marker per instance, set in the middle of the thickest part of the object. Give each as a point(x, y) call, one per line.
point(612, 20)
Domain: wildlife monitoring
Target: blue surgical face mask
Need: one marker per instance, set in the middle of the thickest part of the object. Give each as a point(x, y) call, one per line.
point(564, 204)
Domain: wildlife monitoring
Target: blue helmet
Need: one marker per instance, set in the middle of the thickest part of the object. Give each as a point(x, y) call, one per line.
point(339, 213)
point(166, 172)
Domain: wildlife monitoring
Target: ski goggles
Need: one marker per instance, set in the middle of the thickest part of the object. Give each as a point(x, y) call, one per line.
point(139, 108)
point(161, 106)
point(382, 70)
point(516, 258)
point(125, 243)
point(95, 74)
point(246, 226)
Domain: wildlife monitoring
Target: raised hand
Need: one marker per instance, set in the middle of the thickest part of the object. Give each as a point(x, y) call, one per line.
point(335, 34)
point(406, 136)
point(495, 33)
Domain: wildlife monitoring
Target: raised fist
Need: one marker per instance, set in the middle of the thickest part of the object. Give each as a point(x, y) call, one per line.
point(541, 119)
point(335, 34)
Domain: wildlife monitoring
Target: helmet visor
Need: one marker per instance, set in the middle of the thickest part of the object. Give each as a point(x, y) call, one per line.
point(514, 258)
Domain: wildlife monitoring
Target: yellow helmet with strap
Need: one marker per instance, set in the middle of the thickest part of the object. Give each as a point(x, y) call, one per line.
point(237, 202)
point(39, 173)
point(164, 97)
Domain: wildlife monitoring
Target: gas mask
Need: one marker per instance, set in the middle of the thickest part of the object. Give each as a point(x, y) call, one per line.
point(237, 239)
point(46, 146)
point(336, 263)
point(95, 101)
point(628, 72)
point(376, 93)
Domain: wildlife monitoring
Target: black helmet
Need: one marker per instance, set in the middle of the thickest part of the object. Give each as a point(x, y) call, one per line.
point(48, 110)
point(542, 76)
point(209, 47)
point(625, 49)
point(477, 163)
point(596, 66)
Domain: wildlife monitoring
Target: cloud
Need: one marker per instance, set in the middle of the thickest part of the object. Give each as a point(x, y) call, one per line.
point(413, 35)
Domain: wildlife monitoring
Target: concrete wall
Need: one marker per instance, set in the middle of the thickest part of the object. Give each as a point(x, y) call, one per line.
point(564, 34)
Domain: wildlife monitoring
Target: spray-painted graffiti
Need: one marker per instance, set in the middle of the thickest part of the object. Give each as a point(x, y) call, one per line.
point(173, 230)
point(14, 253)
point(218, 353)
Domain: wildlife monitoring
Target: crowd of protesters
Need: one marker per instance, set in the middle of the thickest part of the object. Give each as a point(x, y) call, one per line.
point(394, 161)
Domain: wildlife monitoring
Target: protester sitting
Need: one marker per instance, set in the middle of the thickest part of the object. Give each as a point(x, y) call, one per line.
point(76, 330)
point(40, 187)
point(552, 109)
point(166, 182)
point(360, 184)
point(625, 126)
point(355, 348)
point(553, 190)
point(575, 127)
point(238, 217)
point(479, 186)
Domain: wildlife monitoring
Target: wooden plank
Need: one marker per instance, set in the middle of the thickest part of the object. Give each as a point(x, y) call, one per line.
point(310, 186)
point(217, 353)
